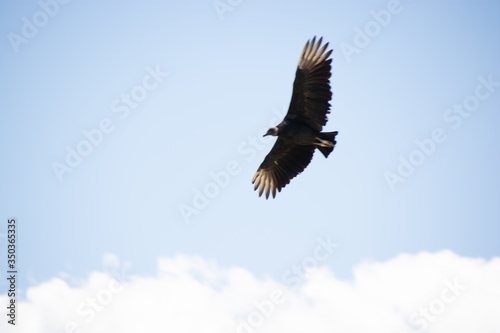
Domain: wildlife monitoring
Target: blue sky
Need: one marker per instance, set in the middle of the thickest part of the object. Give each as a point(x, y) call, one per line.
point(207, 84)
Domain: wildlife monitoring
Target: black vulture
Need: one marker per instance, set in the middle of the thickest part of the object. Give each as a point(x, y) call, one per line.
point(300, 132)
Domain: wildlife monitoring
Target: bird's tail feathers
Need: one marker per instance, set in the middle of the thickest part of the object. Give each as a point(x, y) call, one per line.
point(330, 136)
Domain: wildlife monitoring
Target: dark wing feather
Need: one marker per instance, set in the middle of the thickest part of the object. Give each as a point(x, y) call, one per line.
point(285, 161)
point(311, 88)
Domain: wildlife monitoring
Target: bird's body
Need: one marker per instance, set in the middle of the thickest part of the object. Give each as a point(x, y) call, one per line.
point(299, 134)
point(296, 133)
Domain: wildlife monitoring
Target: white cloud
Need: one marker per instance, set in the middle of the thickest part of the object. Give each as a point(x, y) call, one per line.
point(110, 260)
point(426, 292)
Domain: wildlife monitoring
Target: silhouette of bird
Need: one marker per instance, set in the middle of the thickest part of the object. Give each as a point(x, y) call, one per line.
point(299, 134)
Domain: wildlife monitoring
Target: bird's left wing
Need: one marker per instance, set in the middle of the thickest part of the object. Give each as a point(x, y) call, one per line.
point(311, 88)
point(285, 161)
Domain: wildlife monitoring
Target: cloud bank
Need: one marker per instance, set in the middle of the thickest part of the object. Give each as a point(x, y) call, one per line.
point(426, 292)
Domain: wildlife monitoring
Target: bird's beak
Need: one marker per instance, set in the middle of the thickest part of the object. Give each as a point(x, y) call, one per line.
point(265, 134)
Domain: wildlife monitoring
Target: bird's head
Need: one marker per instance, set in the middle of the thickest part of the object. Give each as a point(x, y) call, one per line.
point(272, 131)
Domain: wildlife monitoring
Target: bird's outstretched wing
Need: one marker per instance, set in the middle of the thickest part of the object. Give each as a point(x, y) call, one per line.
point(285, 161)
point(311, 88)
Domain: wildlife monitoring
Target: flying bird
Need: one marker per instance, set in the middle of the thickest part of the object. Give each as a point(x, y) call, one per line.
point(299, 134)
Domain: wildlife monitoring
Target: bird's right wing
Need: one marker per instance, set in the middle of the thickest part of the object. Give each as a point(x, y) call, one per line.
point(284, 162)
point(311, 88)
